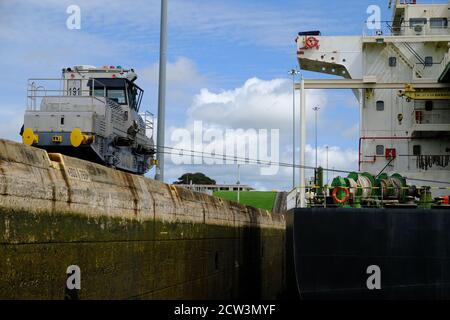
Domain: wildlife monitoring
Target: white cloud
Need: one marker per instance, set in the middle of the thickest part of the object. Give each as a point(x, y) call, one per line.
point(182, 82)
point(183, 72)
point(257, 104)
point(340, 159)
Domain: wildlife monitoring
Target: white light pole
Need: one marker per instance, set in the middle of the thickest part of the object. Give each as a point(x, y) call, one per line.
point(302, 142)
point(333, 174)
point(327, 147)
point(238, 183)
point(162, 94)
point(316, 109)
point(293, 73)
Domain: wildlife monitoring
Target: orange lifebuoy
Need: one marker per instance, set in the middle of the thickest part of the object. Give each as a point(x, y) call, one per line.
point(445, 200)
point(336, 199)
point(311, 42)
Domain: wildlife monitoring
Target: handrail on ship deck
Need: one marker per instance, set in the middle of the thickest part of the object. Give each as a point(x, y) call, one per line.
point(361, 84)
point(387, 28)
point(403, 2)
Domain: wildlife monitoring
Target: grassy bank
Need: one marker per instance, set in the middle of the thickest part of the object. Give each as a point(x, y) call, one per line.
point(261, 200)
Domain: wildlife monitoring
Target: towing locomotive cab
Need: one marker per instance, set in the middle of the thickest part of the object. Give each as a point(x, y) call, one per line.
point(93, 114)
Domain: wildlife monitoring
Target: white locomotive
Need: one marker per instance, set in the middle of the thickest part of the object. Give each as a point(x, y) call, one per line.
point(93, 114)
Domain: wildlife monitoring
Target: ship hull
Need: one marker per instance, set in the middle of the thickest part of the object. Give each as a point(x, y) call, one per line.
point(336, 252)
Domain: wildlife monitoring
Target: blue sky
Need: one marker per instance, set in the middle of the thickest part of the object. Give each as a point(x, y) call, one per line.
point(214, 45)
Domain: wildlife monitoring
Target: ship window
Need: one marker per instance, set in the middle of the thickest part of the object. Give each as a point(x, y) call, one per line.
point(428, 61)
point(429, 105)
point(117, 95)
point(380, 150)
point(392, 61)
point(414, 22)
point(62, 121)
point(438, 23)
point(417, 150)
point(380, 105)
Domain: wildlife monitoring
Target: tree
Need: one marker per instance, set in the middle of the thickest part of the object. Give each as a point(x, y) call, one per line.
point(196, 178)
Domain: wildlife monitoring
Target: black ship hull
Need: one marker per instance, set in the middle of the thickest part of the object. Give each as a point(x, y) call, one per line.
point(336, 253)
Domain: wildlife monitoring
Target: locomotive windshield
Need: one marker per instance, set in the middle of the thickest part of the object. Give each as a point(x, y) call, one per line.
point(117, 95)
point(135, 94)
point(119, 90)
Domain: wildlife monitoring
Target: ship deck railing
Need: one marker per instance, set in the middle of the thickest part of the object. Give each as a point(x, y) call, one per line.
point(387, 28)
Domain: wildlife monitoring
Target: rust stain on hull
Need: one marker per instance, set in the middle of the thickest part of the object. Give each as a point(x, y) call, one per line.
point(131, 186)
point(2, 172)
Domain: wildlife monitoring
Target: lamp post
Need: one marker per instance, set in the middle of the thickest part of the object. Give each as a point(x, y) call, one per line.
point(333, 174)
point(316, 109)
point(327, 148)
point(302, 142)
point(238, 183)
point(162, 94)
point(293, 73)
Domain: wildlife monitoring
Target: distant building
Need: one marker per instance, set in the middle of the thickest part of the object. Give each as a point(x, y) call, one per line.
point(211, 188)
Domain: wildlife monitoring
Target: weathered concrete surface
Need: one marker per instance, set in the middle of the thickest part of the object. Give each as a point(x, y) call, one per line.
point(132, 237)
point(280, 203)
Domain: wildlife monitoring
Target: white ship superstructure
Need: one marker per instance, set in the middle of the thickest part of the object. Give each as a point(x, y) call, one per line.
point(400, 74)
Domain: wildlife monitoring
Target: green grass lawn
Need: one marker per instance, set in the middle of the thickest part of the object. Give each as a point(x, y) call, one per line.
point(261, 200)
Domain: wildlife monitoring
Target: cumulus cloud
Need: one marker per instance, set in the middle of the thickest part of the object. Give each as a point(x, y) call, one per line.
point(182, 72)
point(183, 81)
point(257, 104)
point(338, 158)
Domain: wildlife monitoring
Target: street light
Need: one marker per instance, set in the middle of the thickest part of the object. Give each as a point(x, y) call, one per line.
point(327, 147)
point(333, 174)
point(316, 109)
point(238, 182)
point(162, 94)
point(293, 73)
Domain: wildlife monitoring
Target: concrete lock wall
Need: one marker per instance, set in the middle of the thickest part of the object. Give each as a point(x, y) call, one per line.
point(132, 237)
